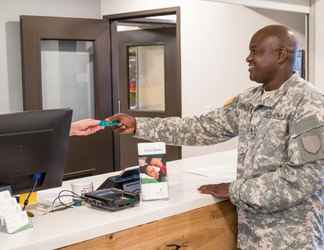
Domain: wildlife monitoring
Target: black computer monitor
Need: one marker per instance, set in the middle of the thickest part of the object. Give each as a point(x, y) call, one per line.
point(33, 144)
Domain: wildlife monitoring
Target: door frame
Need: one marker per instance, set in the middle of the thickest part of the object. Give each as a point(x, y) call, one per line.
point(115, 85)
point(141, 14)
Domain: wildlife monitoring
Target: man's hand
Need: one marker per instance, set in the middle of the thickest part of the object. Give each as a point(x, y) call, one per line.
point(85, 127)
point(127, 123)
point(218, 190)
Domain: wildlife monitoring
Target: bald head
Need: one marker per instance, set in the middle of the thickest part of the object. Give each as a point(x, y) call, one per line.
point(282, 38)
point(272, 53)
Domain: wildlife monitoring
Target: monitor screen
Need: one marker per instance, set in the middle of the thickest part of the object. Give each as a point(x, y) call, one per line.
point(33, 143)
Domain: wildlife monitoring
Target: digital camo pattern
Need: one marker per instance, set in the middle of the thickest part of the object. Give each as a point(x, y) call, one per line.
point(279, 189)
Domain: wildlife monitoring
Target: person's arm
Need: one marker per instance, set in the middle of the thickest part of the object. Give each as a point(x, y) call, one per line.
point(85, 127)
point(210, 128)
point(295, 180)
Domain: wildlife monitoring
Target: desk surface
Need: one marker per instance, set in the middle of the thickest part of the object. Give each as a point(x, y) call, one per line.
point(73, 225)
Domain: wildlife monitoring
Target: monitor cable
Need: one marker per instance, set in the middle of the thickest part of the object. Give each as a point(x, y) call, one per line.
point(36, 178)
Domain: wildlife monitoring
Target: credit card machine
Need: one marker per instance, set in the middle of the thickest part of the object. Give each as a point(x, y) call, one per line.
point(117, 192)
point(127, 181)
point(111, 199)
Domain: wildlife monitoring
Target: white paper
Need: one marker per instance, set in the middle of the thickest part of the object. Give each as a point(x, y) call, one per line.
point(227, 175)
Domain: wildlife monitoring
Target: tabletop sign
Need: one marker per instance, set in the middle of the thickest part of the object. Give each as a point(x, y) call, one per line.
point(153, 171)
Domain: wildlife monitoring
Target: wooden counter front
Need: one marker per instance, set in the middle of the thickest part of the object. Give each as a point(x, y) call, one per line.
point(212, 227)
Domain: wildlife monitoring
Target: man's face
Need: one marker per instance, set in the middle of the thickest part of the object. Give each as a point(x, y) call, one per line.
point(263, 58)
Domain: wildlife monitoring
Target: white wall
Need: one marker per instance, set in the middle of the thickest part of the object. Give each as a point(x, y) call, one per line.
point(10, 59)
point(301, 6)
point(214, 45)
point(317, 43)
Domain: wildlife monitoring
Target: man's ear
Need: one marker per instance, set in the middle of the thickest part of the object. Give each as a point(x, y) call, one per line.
point(283, 55)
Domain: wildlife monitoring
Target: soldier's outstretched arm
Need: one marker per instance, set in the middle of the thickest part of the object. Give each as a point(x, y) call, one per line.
point(210, 128)
point(294, 181)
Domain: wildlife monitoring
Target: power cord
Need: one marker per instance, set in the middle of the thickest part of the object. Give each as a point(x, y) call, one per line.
point(61, 195)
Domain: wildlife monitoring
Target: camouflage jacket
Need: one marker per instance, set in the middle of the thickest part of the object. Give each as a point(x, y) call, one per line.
point(279, 192)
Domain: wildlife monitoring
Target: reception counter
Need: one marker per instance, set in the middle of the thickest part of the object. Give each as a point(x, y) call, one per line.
point(187, 220)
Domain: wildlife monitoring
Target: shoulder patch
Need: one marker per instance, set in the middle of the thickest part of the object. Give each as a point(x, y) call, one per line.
point(308, 133)
point(311, 143)
point(229, 101)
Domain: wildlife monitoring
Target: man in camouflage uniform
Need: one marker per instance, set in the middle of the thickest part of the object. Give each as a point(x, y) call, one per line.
point(278, 192)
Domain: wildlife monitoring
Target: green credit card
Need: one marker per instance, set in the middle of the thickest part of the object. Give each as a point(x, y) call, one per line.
point(104, 123)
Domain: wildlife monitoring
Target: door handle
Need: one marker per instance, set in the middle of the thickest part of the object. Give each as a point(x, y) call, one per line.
point(118, 106)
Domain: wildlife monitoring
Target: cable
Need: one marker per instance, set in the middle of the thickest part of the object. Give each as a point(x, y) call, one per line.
point(61, 202)
point(36, 179)
point(60, 195)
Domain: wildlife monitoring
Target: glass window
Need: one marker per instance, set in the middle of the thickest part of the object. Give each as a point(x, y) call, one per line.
point(67, 76)
point(146, 78)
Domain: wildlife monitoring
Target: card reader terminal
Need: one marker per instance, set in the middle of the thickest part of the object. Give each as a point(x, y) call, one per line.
point(111, 199)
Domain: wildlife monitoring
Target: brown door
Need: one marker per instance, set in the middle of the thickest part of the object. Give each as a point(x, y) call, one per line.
point(66, 63)
point(146, 77)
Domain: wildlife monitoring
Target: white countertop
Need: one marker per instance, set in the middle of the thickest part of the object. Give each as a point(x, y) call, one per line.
point(78, 224)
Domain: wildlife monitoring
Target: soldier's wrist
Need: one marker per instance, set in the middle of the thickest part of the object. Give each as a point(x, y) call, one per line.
point(235, 191)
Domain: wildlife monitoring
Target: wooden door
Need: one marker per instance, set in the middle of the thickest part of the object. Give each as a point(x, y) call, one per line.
point(66, 63)
point(161, 96)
